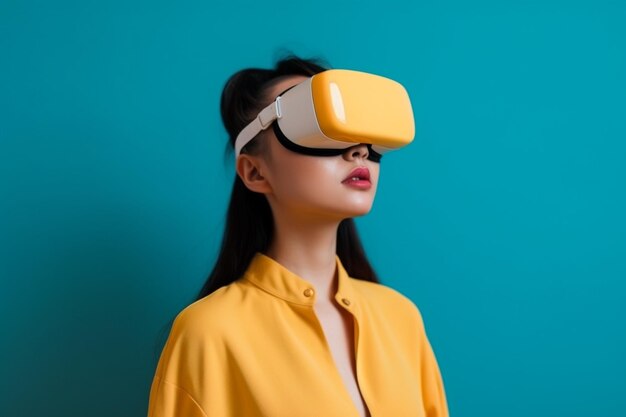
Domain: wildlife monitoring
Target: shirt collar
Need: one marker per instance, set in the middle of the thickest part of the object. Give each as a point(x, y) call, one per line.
point(273, 277)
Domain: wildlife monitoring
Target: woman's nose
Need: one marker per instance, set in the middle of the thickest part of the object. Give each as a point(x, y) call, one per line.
point(356, 151)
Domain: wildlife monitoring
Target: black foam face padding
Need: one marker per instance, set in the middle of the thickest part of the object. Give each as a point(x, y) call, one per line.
point(284, 140)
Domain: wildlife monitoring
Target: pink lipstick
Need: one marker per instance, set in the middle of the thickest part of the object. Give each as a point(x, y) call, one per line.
point(358, 178)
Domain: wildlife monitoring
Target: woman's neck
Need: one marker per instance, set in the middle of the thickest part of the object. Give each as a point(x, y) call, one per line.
point(309, 251)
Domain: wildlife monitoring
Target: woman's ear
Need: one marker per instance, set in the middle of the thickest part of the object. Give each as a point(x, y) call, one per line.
point(250, 170)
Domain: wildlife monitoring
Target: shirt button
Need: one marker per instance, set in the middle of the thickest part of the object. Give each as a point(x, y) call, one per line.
point(308, 292)
point(345, 301)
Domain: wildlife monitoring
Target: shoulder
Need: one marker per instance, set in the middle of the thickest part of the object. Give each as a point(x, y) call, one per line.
point(211, 314)
point(386, 298)
point(199, 335)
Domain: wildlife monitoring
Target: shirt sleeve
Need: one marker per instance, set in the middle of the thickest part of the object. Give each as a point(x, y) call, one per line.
point(176, 387)
point(169, 400)
point(433, 393)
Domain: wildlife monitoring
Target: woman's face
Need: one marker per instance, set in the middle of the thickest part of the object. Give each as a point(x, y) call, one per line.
point(310, 186)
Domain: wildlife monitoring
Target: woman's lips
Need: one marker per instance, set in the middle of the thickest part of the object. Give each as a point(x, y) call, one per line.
point(361, 172)
point(358, 178)
point(357, 183)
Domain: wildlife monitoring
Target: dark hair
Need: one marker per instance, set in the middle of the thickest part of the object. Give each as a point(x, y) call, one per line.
point(249, 221)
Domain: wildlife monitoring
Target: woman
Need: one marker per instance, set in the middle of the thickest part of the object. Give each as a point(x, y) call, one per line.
point(293, 320)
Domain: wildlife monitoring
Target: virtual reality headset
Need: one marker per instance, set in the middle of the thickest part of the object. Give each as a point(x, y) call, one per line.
point(337, 109)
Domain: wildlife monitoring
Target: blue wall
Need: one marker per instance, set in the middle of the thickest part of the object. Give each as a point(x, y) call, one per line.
point(503, 221)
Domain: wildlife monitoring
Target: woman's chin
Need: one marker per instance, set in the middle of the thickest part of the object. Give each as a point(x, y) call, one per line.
point(357, 211)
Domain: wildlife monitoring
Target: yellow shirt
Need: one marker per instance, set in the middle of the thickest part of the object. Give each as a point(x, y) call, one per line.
point(255, 347)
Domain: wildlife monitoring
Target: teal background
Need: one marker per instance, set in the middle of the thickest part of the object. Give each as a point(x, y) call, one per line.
point(503, 221)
